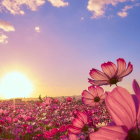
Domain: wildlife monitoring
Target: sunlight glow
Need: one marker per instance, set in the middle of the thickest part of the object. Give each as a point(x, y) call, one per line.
point(15, 85)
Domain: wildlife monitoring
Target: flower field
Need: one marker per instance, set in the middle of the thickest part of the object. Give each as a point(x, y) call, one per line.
point(96, 115)
point(47, 119)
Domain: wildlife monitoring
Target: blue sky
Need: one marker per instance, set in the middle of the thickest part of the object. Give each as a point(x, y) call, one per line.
point(71, 40)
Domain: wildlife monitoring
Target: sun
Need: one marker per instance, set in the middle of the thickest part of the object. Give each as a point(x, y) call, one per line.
point(15, 85)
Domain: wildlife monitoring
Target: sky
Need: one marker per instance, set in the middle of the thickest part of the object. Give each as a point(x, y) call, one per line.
point(56, 43)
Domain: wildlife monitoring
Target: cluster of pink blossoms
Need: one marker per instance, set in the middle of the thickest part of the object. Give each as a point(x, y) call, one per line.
point(99, 115)
point(45, 119)
point(95, 97)
point(123, 107)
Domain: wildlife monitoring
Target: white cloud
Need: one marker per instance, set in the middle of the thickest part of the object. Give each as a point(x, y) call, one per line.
point(98, 7)
point(58, 3)
point(124, 12)
point(15, 7)
point(37, 29)
point(5, 26)
point(3, 39)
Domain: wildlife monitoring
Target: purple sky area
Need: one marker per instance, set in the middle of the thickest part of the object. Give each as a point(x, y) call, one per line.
point(56, 43)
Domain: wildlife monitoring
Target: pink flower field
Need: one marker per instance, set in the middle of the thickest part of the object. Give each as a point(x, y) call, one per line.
point(95, 115)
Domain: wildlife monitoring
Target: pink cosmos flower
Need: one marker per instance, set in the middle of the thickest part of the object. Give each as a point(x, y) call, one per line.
point(94, 96)
point(47, 101)
point(50, 133)
point(111, 74)
point(121, 107)
point(56, 101)
point(68, 99)
point(79, 123)
point(2, 122)
point(63, 128)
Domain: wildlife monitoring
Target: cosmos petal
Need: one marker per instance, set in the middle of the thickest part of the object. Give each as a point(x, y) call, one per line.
point(136, 89)
point(121, 64)
point(74, 130)
point(109, 69)
point(73, 137)
point(127, 71)
point(91, 89)
point(98, 82)
point(88, 95)
point(87, 101)
point(78, 123)
point(121, 107)
point(100, 91)
point(96, 91)
point(97, 75)
point(82, 116)
point(109, 133)
point(138, 115)
point(136, 101)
